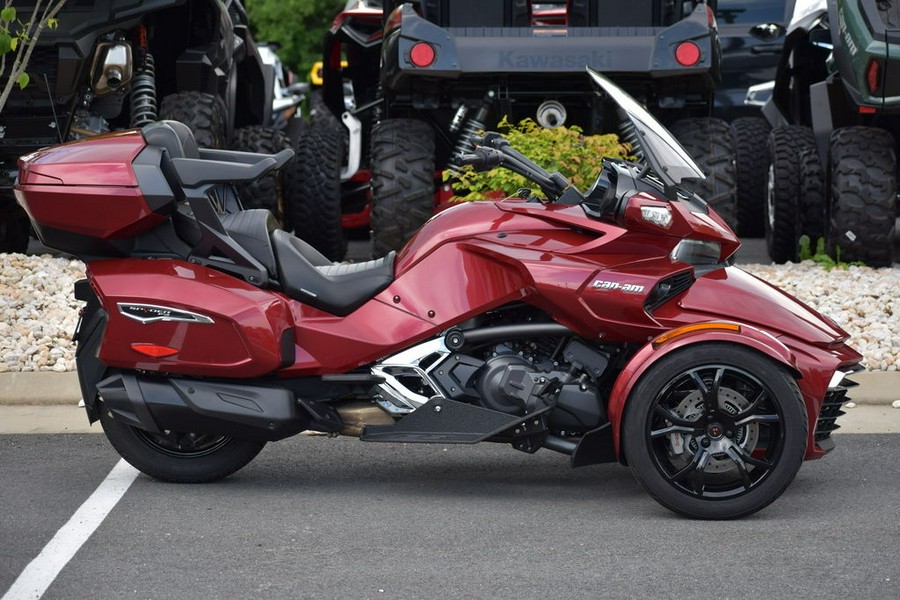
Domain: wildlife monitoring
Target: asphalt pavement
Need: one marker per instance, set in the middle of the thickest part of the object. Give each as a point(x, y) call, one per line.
point(314, 517)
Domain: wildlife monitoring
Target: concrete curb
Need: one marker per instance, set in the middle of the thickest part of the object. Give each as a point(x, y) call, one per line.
point(55, 389)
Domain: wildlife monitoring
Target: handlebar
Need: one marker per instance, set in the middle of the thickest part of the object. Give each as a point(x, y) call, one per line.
point(493, 150)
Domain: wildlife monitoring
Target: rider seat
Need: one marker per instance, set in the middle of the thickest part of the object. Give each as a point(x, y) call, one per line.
point(312, 279)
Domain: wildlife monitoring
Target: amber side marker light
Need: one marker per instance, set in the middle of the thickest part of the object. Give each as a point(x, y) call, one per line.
point(677, 333)
point(154, 350)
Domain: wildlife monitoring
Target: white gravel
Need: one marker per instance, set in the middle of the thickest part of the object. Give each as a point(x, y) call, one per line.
point(39, 312)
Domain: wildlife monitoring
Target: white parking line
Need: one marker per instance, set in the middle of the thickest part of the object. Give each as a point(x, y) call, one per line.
point(40, 573)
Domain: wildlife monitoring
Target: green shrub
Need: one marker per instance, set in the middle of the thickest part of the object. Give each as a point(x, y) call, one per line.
point(564, 149)
point(822, 257)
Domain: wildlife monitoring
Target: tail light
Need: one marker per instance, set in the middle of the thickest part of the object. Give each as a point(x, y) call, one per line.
point(873, 76)
point(422, 54)
point(687, 54)
point(154, 350)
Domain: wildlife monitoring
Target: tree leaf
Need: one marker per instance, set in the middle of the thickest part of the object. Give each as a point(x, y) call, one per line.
point(52, 23)
point(8, 14)
point(13, 43)
point(23, 80)
point(5, 42)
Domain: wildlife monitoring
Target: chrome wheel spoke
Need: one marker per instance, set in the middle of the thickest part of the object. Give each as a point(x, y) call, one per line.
point(754, 404)
point(758, 419)
point(748, 459)
point(668, 415)
point(738, 461)
point(698, 463)
point(673, 429)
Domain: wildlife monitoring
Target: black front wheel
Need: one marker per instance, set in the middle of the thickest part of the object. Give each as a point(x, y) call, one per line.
point(179, 457)
point(715, 431)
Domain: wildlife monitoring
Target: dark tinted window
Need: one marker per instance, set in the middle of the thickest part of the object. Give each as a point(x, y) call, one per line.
point(750, 12)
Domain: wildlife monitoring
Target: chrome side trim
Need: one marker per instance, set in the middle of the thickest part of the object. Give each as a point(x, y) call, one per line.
point(394, 396)
point(152, 313)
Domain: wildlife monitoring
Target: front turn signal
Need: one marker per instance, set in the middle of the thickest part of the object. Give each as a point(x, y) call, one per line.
point(688, 329)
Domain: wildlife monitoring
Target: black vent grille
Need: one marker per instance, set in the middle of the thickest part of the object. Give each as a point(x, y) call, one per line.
point(668, 288)
point(831, 408)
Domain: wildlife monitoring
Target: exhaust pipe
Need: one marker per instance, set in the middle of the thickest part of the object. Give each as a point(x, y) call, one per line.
point(211, 407)
point(551, 114)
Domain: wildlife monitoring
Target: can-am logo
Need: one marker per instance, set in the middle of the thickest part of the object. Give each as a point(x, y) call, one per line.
point(628, 288)
point(511, 59)
point(842, 25)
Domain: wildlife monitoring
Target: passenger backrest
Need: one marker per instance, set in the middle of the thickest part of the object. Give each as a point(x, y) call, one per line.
point(161, 134)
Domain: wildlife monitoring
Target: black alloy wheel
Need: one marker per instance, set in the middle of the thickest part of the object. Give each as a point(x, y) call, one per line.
point(715, 431)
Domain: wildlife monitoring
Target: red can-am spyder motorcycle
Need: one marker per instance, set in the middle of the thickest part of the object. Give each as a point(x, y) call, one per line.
point(608, 326)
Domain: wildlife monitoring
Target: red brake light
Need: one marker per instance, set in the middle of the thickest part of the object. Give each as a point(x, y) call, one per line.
point(422, 54)
point(154, 350)
point(873, 76)
point(687, 54)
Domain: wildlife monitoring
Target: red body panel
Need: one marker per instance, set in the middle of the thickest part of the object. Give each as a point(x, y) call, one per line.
point(87, 187)
point(244, 339)
point(104, 160)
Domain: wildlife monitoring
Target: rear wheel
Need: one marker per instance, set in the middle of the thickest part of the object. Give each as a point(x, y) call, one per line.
point(863, 166)
point(402, 181)
point(203, 113)
point(750, 135)
point(783, 226)
point(268, 191)
point(715, 431)
point(710, 144)
point(177, 456)
point(313, 188)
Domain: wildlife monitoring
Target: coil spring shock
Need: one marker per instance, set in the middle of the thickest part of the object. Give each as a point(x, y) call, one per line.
point(143, 85)
point(628, 136)
point(465, 143)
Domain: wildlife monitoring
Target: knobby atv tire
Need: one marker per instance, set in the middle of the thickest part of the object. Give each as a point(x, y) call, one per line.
point(15, 228)
point(741, 423)
point(783, 228)
point(268, 191)
point(402, 156)
point(312, 183)
point(750, 135)
point(203, 113)
point(863, 165)
point(812, 196)
point(709, 142)
point(213, 458)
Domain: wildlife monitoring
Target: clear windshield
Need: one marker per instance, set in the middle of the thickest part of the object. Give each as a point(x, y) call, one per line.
point(665, 156)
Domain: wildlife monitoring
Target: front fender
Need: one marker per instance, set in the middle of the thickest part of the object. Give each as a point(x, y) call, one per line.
point(653, 351)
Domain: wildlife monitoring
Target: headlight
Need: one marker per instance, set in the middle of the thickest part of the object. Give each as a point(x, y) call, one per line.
point(660, 216)
point(697, 252)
